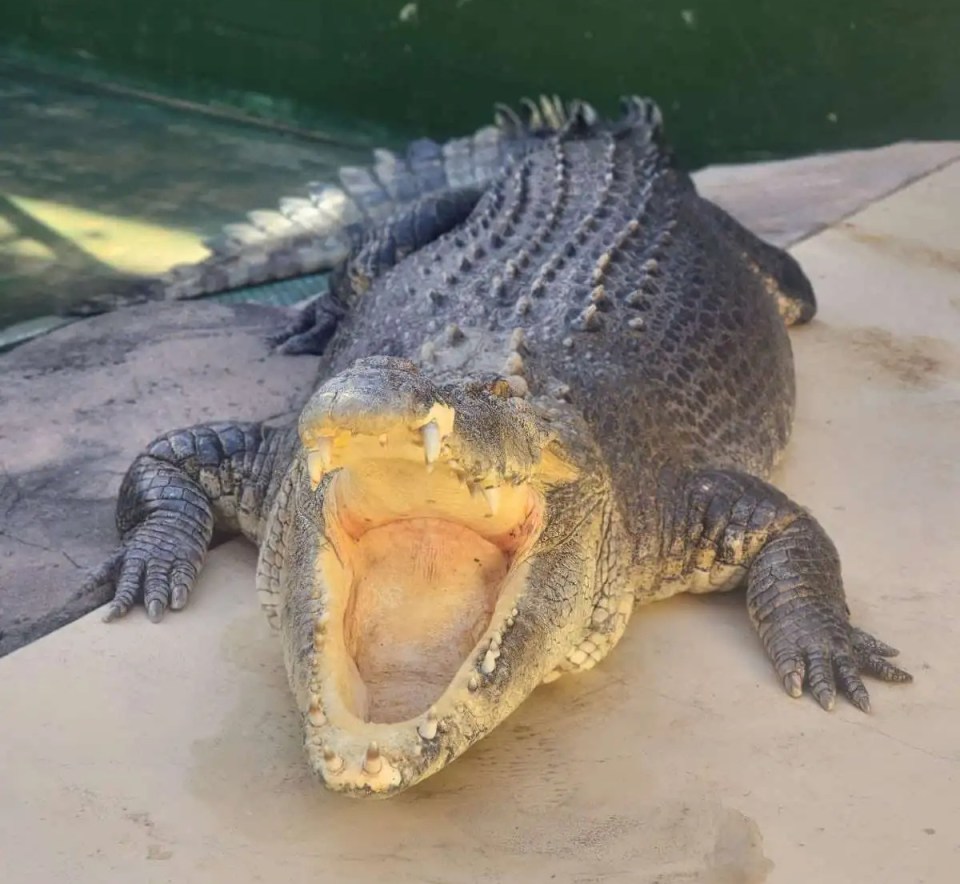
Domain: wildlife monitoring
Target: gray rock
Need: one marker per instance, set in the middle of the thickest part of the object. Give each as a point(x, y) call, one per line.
point(76, 406)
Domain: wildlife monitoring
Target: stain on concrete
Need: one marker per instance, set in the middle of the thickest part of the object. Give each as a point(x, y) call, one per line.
point(903, 249)
point(918, 362)
point(737, 856)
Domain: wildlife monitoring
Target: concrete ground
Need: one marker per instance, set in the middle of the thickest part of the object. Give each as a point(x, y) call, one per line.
point(134, 752)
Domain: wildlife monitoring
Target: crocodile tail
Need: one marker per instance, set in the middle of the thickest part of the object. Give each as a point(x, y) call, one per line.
point(317, 230)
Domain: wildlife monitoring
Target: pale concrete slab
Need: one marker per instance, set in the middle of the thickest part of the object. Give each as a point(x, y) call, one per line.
point(785, 201)
point(171, 753)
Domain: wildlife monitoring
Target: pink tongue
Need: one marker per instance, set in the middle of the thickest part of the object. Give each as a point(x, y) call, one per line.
point(424, 593)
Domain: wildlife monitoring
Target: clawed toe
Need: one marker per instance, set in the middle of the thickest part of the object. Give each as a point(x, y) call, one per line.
point(883, 669)
point(825, 673)
point(870, 654)
point(821, 680)
point(793, 682)
point(863, 641)
point(848, 679)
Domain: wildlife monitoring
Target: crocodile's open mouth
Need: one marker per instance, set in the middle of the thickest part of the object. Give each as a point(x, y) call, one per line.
point(420, 564)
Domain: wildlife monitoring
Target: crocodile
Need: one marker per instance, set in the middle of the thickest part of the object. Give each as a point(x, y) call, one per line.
point(548, 395)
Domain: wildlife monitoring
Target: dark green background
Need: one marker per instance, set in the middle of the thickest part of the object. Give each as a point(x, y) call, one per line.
point(737, 80)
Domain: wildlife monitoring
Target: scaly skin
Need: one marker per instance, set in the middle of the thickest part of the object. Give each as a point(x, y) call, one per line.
point(593, 350)
point(316, 230)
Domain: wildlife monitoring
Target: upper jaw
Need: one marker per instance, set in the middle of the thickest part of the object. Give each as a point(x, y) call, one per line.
point(489, 438)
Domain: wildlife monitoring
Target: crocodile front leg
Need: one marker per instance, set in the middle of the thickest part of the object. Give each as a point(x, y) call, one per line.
point(720, 529)
point(187, 484)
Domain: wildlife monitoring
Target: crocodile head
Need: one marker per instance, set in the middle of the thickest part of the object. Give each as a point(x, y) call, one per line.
point(442, 548)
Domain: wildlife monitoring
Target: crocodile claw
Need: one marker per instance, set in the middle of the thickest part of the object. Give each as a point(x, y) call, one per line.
point(826, 671)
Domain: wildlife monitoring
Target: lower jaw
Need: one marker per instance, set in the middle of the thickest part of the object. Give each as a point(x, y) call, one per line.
point(423, 594)
point(368, 732)
point(364, 755)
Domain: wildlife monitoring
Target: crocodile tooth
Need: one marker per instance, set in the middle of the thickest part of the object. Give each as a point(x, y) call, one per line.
point(431, 441)
point(372, 762)
point(474, 683)
point(333, 761)
point(428, 728)
point(317, 718)
point(319, 459)
point(496, 640)
point(324, 447)
point(489, 663)
point(492, 497)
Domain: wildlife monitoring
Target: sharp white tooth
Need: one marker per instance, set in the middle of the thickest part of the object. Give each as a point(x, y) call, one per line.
point(489, 663)
point(372, 762)
point(473, 683)
point(315, 468)
point(333, 761)
point(319, 460)
point(317, 718)
point(496, 640)
point(324, 447)
point(492, 497)
point(428, 729)
point(431, 441)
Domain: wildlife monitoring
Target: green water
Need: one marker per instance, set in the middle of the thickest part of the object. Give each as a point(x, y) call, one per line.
point(739, 80)
point(91, 182)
